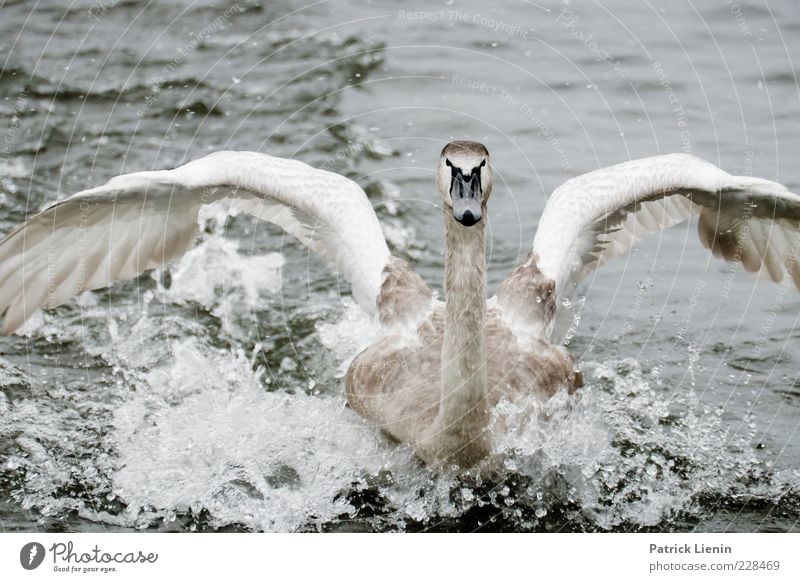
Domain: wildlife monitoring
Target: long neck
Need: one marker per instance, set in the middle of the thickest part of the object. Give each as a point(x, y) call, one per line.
point(463, 409)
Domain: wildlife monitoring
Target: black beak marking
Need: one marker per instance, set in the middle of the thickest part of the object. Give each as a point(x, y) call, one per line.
point(473, 179)
point(466, 193)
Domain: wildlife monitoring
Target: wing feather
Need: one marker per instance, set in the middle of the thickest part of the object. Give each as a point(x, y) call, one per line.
point(601, 215)
point(143, 220)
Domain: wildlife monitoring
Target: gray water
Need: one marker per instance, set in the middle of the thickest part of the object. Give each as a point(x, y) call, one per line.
point(208, 396)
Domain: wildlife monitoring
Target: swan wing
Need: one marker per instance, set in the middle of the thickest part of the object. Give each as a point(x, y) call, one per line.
point(145, 219)
point(601, 215)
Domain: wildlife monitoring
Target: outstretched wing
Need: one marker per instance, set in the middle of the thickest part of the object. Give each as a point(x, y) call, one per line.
point(143, 220)
point(600, 215)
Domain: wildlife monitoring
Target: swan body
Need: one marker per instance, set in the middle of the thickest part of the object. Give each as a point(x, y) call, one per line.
point(438, 368)
point(398, 382)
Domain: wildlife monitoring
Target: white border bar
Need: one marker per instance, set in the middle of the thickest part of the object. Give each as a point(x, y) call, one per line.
point(388, 557)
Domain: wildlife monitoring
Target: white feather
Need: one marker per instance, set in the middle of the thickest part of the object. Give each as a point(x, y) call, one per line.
point(601, 215)
point(145, 219)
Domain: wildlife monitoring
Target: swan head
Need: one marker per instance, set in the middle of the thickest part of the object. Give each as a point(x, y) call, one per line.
point(464, 180)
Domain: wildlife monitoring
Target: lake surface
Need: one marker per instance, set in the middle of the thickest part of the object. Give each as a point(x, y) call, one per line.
point(208, 396)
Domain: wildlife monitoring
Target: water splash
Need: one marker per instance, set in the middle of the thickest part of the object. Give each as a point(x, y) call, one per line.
point(199, 440)
point(229, 284)
point(164, 426)
point(205, 435)
point(345, 339)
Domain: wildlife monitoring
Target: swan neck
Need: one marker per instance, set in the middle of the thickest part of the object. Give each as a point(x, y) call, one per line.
point(463, 410)
point(465, 276)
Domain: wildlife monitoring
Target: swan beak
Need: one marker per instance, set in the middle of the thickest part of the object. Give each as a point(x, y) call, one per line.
point(466, 195)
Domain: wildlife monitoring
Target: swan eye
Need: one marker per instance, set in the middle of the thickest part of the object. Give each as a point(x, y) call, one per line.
point(447, 163)
point(483, 163)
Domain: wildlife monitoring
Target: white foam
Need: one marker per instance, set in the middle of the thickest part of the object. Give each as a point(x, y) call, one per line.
point(194, 429)
point(215, 269)
point(346, 338)
point(208, 435)
point(11, 168)
point(227, 283)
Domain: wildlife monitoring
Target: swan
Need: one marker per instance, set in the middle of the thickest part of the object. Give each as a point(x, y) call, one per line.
point(438, 368)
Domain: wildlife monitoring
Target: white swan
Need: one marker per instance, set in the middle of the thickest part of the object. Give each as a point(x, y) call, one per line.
point(438, 369)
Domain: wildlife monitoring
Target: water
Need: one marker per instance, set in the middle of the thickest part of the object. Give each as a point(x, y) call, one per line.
point(208, 396)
